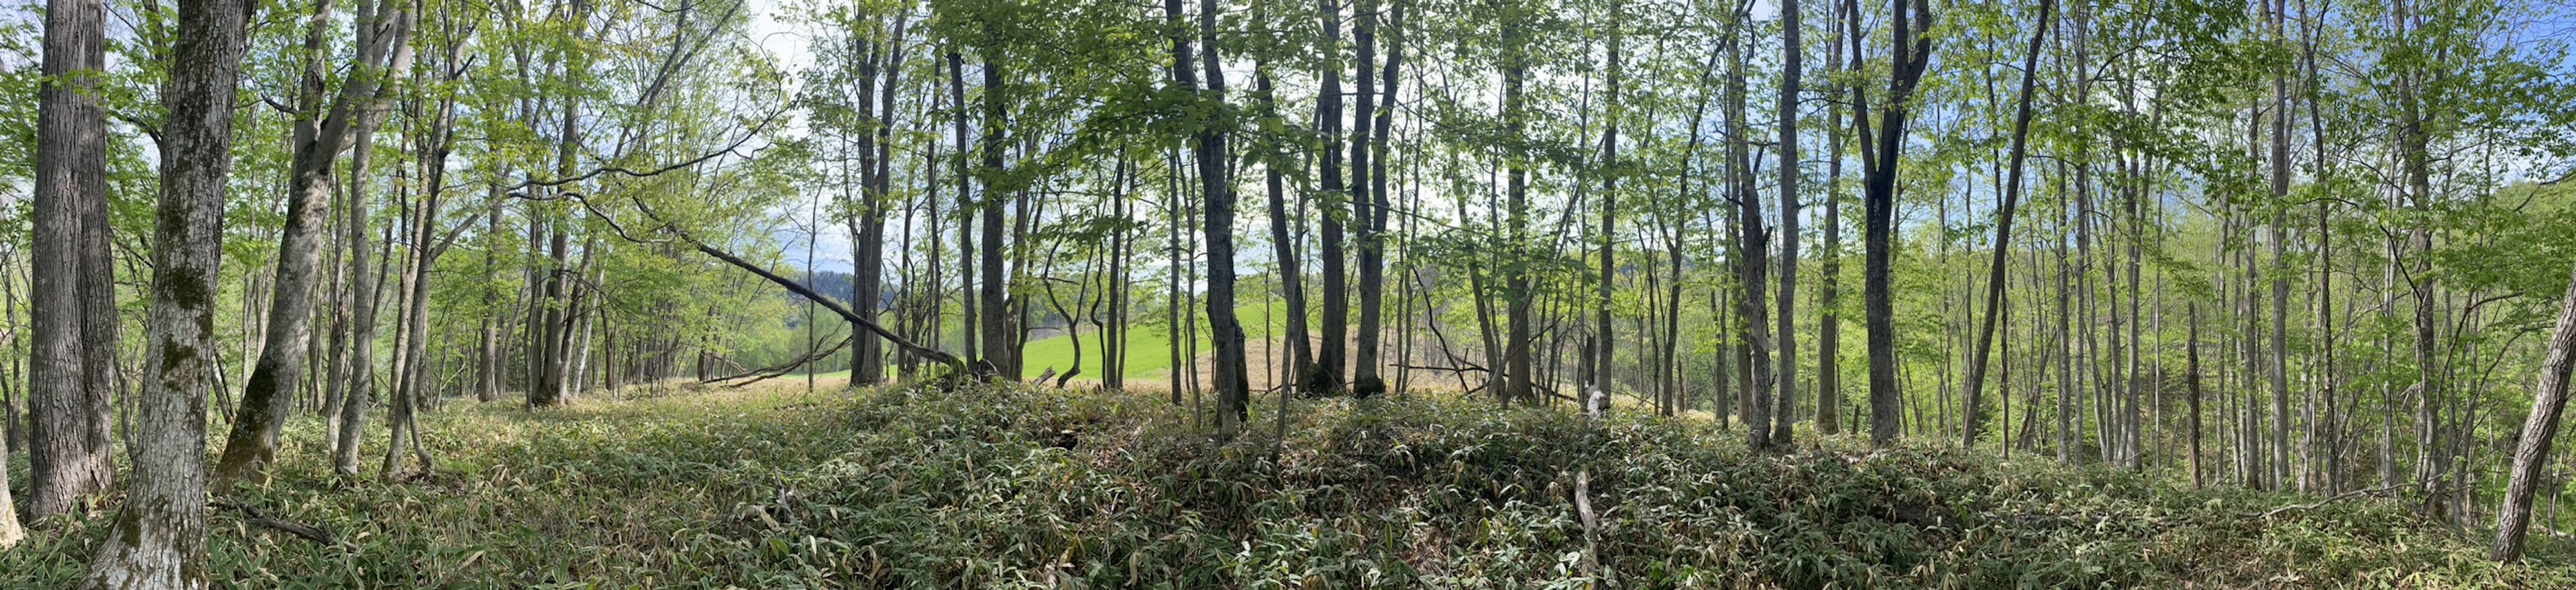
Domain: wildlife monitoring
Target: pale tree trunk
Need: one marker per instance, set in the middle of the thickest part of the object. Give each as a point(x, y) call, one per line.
point(2539, 432)
point(159, 540)
point(364, 288)
point(73, 298)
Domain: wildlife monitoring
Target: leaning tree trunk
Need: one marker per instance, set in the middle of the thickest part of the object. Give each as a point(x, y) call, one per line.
point(268, 397)
point(2003, 234)
point(2539, 432)
point(159, 540)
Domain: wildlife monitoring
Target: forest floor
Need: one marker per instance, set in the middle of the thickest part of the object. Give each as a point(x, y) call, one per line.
point(772, 487)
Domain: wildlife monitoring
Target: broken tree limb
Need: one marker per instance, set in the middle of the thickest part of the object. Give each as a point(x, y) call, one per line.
point(262, 520)
point(774, 371)
point(935, 355)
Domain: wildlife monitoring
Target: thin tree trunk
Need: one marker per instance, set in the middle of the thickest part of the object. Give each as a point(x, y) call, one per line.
point(2003, 230)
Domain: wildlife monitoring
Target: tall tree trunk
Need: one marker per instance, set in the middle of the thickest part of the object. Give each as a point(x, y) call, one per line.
point(1790, 168)
point(969, 310)
point(159, 540)
point(1517, 380)
point(1365, 380)
point(2539, 432)
point(1326, 376)
point(268, 397)
point(1829, 316)
point(1292, 288)
point(1000, 344)
point(74, 297)
point(1879, 225)
point(1605, 342)
point(2003, 231)
point(2191, 376)
point(1751, 247)
point(1232, 379)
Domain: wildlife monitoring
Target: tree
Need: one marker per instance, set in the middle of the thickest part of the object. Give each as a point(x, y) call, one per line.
point(319, 139)
point(1752, 249)
point(1325, 376)
point(1912, 53)
point(74, 300)
point(159, 540)
point(2003, 232)
point(2539, 433)
point(1790, 168)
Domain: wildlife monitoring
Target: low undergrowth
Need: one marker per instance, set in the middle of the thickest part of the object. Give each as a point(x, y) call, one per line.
point(1012, 488)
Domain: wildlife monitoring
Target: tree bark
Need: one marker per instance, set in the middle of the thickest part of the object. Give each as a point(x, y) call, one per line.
point(1001, 353)
point(159, 540)
point(1790, 48)
point(74, 297)
point(1325, 377)
point(319, 139)
point(1365, 380)
point(2539, 432)
point(1879, 227)
point(1751, 249)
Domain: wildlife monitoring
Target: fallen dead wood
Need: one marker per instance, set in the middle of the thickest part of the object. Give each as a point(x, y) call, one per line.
point(263, 520)
point(774, 371)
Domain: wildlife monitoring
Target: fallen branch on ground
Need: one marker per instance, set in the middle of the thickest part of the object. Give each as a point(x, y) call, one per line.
point(262, 520)
point(773, 372)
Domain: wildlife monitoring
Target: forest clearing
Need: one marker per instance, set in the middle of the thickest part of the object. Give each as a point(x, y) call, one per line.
point(1286, 293)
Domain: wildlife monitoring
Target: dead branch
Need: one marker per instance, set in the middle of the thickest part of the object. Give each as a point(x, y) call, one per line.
point(262, 520)
point(774, 371)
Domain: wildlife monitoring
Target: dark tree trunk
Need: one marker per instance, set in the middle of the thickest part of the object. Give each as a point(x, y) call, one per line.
point(1325, 377)
point(1001, 343)
point(2003, 232)
point(1879, 227)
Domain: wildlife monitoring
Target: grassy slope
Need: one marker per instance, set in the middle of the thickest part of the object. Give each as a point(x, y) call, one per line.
point(768, 488)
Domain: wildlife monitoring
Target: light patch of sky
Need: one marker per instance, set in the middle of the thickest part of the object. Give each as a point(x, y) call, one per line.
point(805, 221)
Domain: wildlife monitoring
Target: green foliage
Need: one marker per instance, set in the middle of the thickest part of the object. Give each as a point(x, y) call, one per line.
point(1016, 488)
